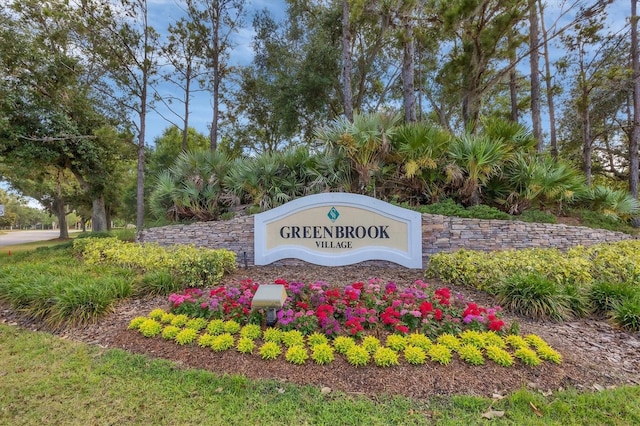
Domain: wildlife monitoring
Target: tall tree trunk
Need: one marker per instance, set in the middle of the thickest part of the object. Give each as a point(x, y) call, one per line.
point(553, 141)
point(217, 75)
point(408, 65)
point(187, 91)
point(635, 133)
point(98, 215)
point(347, 65)
point(61, 214)
point(587, 147)
point(513, 90)
point(534, 60)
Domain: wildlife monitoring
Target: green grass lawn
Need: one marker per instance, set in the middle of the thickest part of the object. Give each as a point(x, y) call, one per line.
point(48, 380)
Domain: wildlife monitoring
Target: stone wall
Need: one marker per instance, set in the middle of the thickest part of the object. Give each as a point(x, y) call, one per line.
point(439, 234)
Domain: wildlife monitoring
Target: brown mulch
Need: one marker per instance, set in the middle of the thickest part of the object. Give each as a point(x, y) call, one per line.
point(596, 355)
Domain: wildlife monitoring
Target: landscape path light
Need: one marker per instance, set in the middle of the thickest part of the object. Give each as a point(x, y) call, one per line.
point(271, 297)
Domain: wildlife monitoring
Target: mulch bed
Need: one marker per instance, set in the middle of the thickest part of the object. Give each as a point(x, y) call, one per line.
point(596, 355)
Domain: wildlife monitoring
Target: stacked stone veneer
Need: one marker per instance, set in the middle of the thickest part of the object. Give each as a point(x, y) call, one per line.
point(439, 234)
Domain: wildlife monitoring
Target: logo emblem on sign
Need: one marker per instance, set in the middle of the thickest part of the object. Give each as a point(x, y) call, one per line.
point(333, 214)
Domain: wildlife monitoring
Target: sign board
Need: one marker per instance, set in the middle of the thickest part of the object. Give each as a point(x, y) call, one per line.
point(335, 229)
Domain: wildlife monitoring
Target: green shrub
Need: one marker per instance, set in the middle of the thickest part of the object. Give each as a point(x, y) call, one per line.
point(396, 342)
point(186, 336)
point(196, 324)
point(358, 356)
point(292, 338)
point(150, 328)
point(472, 337)
point(516, 342)
point(157, 314)
point(231, 327)
point(215, 327)
point(134, 324)
point(205, 340)
point(297, 354)
point(547, 353)
point(270, 350)
point(81, 304)
point(370, 343)
point(605, 296)
point(440, 353)
point(180, 320)
point(528, 357)
point(449, 207)
point(251, 331)
point(159, 282)
point(626, 314)
point(449, 341)
point(471, 354)
point(499, 356)
point(491, 338)
point(534, 296)
point(343, 344)
point(222, 342)
point(419, 340)
point(245, 345)
point(537, 216)
point(272, 335)
point(385, 357)
point(317, 339)
point(170, 332)
point(322, 353)
point(415, 355)
point(578, 300)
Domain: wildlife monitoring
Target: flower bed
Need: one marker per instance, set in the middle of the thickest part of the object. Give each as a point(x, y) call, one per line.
point(352, 310)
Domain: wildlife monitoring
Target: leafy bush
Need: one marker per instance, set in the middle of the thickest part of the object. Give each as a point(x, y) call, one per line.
point(245, 345)
point(180, 320)
point(222, 342)
point(315, 339)
point(270, 350)
point(598, 220)
point(134, 324)
point(396, 342)
point(471, 354)
point(415, 355)
point(499, 356)
point(358, 356)
point(292, 338)
point(626, 314)
point(385, 357)
point(186, 336)
point(534, 296)
point(215, 327)
point(159, 282)
point(150, 328)
point(516, 342)
point(606, 296)
point(440, 353)
point(272, 335)
point(449, 207)
point(472, 337)
point(170, 332)
point(537, 216)
point(449, 341)
point(251, 331)
point(205, 340)
point(297, 354)
point(231, 327)
point(527, 356)
point(419, 340)
point(370, 343)
point(196, 324)
point(343, 344)
point(189, 266)
point(322, 353)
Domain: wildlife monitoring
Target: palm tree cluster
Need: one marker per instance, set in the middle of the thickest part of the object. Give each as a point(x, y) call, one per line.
point(378, 155)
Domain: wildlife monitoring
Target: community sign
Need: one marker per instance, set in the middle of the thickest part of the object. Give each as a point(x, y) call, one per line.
point(335, 229)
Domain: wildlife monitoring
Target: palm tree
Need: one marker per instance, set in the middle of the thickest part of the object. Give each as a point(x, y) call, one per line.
point(475, 159)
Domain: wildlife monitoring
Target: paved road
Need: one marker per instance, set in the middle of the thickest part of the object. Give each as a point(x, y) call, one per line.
point(20, 237)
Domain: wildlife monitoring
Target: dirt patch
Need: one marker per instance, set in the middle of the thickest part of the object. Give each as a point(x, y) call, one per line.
point(595, 354)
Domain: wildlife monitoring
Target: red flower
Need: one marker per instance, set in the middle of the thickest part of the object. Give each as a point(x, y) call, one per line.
point(402, 328)
point(281, 281)
point(323, 311)
point(302, 305)
point(425, 308)
point(438, 314)
point(358, 285)
point(496, 325)
point(390, 316)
